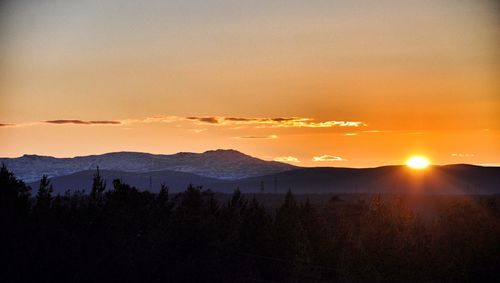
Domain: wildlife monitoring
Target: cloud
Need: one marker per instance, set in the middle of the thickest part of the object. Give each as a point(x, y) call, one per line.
point(6, 125)
point(197, 131)
point(83, 122)
point(326, 158)
point(237, 119)
point(277, 122)
point(298, 122)
point(258, 137)
point(155, 119)
point(283, 119)
point(19, 125)
point(209, 120)
point(462, 154)
point(234, 122)
point(288, 159)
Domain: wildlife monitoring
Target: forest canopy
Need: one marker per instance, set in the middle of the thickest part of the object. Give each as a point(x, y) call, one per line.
point(119, 233)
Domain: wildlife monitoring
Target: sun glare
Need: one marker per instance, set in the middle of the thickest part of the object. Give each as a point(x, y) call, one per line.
point(418, 162)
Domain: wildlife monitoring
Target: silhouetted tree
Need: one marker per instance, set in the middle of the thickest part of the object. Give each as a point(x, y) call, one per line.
point(43, 196)
point(290, 240)
point(98, 188)
point(14, 195)
point(201, 236)
point(195, 240)
point(163, 195)
point(16, 231)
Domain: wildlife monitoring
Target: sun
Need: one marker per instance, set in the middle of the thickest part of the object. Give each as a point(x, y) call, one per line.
point(418, 162)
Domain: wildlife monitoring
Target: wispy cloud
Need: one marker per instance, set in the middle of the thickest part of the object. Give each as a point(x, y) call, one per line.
point(278, 122)
point(287, 159)
point(83, 122)
point(197, 131)
point(238, 119)
point(6, 125)
point(233, 122)
point(462, 154)
point(326, 158)
point(258, 137)
point(208, 120)
point(63, 122)
point(154, 119)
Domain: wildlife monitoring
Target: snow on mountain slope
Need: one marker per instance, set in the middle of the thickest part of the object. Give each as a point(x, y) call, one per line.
point(220, 164)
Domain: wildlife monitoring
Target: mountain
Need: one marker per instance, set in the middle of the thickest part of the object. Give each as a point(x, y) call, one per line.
point(176, 181)
point(448, 179)
point(220, 164)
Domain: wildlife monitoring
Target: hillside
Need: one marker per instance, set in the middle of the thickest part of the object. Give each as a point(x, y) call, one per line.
point(449, 179)
point(220, 164)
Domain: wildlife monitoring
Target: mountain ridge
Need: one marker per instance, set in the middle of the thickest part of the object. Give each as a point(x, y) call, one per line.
point(438, 179)
point(221, 163)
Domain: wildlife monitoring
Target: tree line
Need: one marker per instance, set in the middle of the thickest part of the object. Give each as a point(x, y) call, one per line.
point(119, 233)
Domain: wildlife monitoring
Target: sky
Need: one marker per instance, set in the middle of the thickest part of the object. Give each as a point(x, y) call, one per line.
point(312, 83)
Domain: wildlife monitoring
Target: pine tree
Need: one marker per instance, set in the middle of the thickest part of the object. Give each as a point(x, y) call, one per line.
point(163, 195)
point(163, 202)
point(98, 187)
point(44, 195)
point(14, 194)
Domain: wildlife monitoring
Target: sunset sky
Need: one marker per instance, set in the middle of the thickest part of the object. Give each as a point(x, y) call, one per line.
point(313, 83)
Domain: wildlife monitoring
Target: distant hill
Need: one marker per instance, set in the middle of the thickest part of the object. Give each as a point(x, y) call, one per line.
point(176, 181)
point(449, 179)
point(220, 164)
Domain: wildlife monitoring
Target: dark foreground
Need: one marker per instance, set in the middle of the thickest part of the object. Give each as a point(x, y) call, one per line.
point(122, 234)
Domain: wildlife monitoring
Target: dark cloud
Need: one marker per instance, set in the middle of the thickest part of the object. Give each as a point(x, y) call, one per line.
point(106, 122)
point(6, 125)
point(238, 119)
point(209, 120)
point(82, 122)
point(283, 119)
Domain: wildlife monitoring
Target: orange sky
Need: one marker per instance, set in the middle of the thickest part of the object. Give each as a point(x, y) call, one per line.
point(354, 84)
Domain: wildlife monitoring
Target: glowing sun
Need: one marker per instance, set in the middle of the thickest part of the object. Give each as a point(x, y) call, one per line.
point(418, 162)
